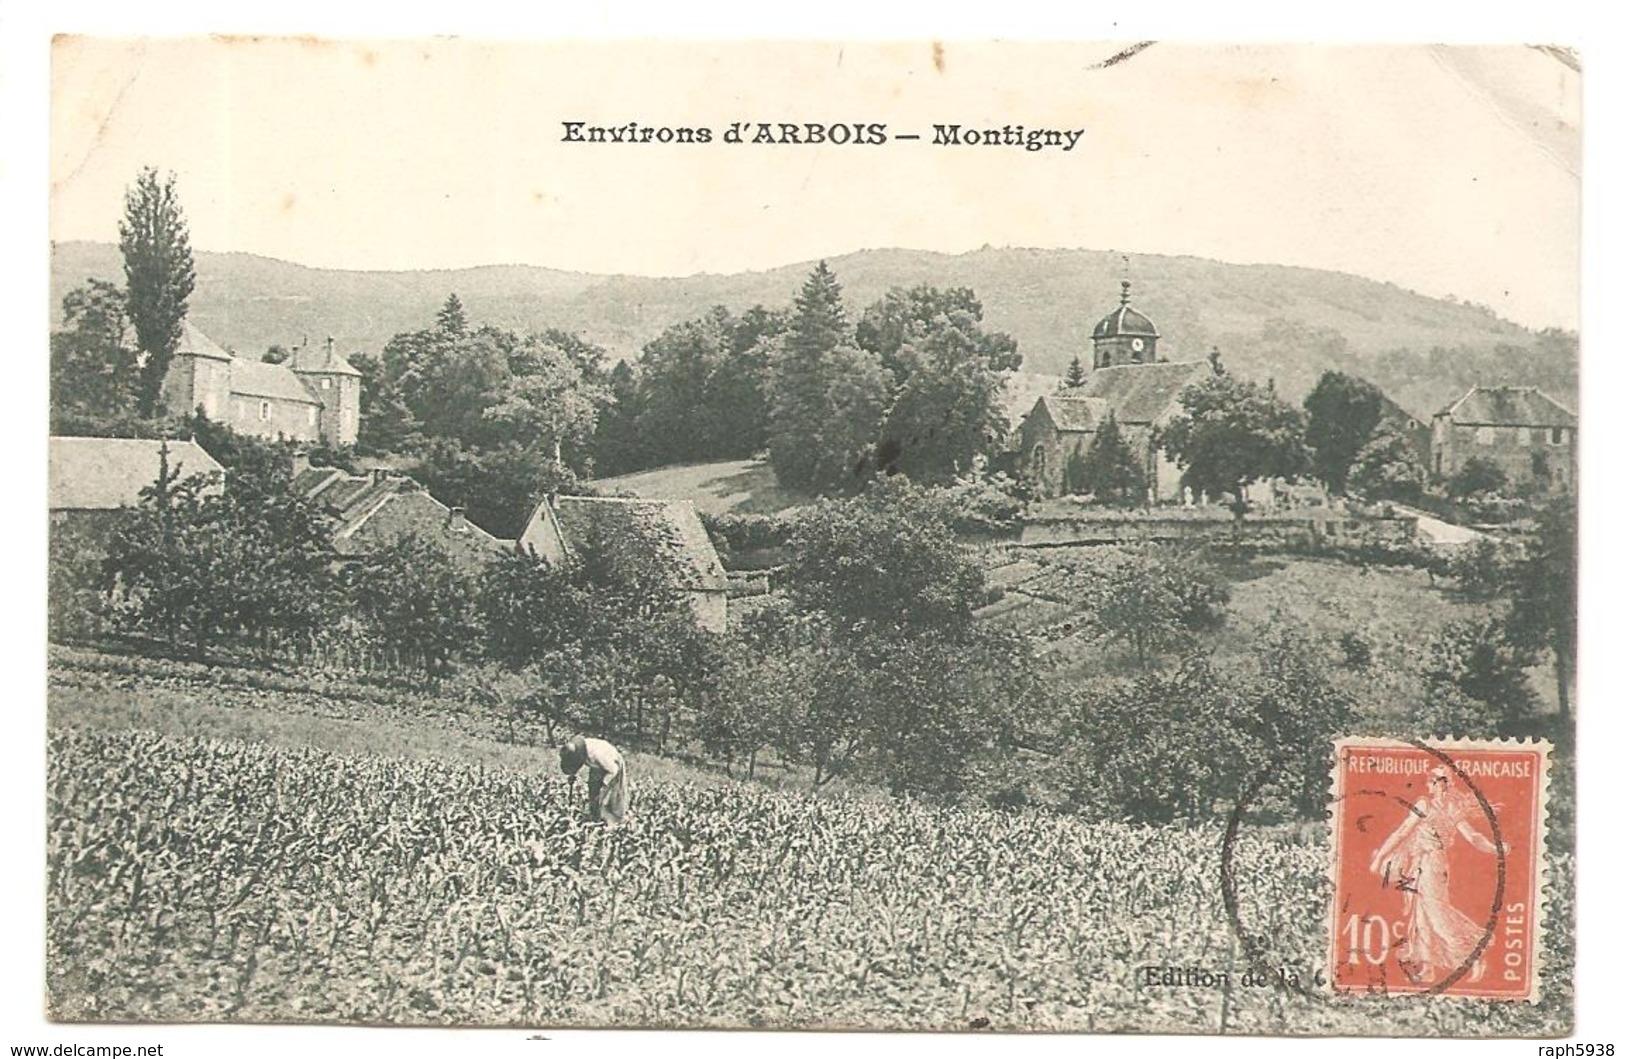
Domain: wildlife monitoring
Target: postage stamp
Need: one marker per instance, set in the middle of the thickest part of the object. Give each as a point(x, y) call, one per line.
point(1437, 859)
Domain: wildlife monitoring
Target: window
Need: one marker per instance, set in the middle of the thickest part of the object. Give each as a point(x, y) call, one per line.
point(327, 384)
point(265, 411)
point(310, 416)
point(1486, 436)
point(1557, 435)
point(1523, 435)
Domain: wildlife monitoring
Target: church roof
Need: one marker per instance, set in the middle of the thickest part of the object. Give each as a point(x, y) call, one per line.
point(1508, 406)
point(1140, 393)
point(1073, 413)
point(1125, 320)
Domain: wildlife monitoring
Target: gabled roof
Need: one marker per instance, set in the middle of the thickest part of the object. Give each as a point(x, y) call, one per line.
point(1074, 414)
point(322, 359)
point(1140, 393)
point(671, 526)
point(1508, 406)
point(103, 474)
point(254, 378)
point(374, 510)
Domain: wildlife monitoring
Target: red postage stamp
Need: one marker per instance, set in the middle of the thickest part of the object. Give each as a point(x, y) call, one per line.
point(1437, 866)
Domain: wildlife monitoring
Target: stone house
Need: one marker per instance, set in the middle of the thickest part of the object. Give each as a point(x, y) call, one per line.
point(561, 525)
point(1527, 434)
point(314, 396)
point(1127, 383)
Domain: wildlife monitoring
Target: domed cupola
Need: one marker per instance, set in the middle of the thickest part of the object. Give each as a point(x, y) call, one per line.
point(1125, 336)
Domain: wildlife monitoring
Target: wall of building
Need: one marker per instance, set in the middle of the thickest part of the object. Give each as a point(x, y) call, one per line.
point(1513, 449)
point(270, 417)
point(341, 406)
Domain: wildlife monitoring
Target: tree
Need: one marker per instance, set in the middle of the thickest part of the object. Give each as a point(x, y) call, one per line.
point(1387, 468)
point(1479, 659)
point(1075, 375)
point(1110, 469)
point(947, 375)
point(1545, 586)
point(1152, 600)
point(94, 365)
point(158, 276)
point(829, 396)
point(884, 560)
point(416, 601)
point(1231, 433)
point(529, 608)
point(199, 563)
point(276, 354)
point(1342, 413)
point(451, 320)
point(1477, 476)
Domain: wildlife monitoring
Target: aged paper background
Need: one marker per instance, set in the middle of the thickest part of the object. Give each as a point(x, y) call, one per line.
point(753, 216)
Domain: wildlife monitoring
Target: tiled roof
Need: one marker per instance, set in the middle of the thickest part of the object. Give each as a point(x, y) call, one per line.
point(373, 511)
point(97, 474)
point(672, 526)
point(1082, 414)
point(322, 359)
point(254, 378)
point(1509, 406)
point(199, 344)
point(1140, 393)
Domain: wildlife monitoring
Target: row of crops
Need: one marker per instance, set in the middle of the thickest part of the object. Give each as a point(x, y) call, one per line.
point(192, 879)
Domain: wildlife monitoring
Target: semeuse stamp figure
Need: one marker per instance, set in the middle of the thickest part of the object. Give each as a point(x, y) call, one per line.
point(1415, 910)
point(607, 788)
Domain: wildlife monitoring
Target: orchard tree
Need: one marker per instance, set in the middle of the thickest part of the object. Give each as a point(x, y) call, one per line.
point(416, 600)
point(158, 276)
point(1342, 413)
point(885, 560)
point(1231, 433)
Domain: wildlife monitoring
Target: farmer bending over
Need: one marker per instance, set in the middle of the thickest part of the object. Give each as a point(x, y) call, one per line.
point(607, 791)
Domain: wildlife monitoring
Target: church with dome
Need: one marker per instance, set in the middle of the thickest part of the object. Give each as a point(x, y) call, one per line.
point(1130, 383)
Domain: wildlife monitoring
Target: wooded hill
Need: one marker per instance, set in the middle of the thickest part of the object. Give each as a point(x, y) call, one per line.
point(1268, 321)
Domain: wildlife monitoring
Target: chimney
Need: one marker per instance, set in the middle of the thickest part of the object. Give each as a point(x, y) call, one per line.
point(329, 362)
point(380, 475)
point(456, 522)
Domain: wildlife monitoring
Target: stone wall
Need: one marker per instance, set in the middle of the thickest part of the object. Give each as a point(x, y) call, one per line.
point(1264, 530)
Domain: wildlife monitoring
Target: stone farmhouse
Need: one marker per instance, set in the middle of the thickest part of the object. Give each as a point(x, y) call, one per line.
point(1527, 434)
point(1128, 383)
point(314, 396)
point(561, 525)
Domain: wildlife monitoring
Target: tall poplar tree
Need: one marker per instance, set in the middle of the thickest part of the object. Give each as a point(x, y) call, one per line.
point(158, 276)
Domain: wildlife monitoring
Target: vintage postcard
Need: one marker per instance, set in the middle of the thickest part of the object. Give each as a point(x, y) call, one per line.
point(769, 536)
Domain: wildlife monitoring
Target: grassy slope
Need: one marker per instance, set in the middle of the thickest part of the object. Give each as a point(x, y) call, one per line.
point(735, 486)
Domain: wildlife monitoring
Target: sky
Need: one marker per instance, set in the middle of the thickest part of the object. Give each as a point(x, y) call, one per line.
point(1453, 171)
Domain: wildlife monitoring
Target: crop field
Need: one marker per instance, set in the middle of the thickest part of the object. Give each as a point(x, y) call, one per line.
point(216, 879)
